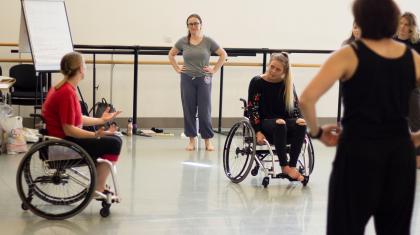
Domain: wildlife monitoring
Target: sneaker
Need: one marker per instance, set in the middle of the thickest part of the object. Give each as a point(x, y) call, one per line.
point(157, 130)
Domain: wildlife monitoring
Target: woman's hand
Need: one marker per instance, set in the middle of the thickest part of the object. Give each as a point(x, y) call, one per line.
point(415, 137)
point(330, 134)
point(301, 121)
point(107, 116)
point(100, 133)
point(209, 69)
point(112, 129)
point(180, 68)
point(260, 137)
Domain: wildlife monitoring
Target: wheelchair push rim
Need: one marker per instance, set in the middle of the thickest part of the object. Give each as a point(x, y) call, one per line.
point(56, 189)
point(239, 151)
point(306, 160)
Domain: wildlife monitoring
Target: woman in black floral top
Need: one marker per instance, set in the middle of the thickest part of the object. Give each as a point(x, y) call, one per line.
point(274, 113)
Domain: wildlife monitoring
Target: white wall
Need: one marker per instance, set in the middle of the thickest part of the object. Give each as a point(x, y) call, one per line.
point(298, 24)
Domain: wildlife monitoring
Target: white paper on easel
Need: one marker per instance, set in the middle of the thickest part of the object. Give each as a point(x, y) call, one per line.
point(48, 31)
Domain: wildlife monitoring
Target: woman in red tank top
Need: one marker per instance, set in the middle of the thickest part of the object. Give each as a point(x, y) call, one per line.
point(64, 119)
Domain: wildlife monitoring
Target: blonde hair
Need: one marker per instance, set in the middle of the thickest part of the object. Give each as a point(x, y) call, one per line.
point(69, 65)
point(411, 18)
point(283, 58)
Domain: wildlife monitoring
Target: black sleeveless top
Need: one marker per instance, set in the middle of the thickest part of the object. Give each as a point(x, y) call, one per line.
point(376, 98)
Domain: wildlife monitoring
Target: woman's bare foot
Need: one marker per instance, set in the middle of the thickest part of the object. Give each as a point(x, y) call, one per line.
point(209, 145)
point(418, 161)
point(292, 173)
point(191, 145)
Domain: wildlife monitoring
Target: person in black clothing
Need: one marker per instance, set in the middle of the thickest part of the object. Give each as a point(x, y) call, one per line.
point(274, 113)
point(373, 173)
point(355, 34)
point(408, 33)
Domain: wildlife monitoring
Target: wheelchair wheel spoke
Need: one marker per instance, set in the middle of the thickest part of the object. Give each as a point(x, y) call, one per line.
point(55, 179)
point(239, 151)
point(306, 157)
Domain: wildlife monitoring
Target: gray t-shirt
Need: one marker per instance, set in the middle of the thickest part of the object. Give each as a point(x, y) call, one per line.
point(196, 56)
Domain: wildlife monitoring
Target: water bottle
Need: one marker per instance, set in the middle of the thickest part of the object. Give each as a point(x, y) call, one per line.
point(130, 127)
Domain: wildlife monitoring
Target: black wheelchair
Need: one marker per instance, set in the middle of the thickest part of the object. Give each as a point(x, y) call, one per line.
point(56, 179)
point(241, 151)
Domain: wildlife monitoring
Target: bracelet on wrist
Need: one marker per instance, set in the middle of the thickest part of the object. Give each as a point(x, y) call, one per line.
point(317, 135)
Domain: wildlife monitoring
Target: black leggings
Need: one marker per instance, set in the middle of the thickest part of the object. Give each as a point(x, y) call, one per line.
point(282, 134)
point(372, 177)
point(97, 148)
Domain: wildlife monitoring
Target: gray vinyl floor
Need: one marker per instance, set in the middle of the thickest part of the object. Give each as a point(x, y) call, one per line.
point(167, 190)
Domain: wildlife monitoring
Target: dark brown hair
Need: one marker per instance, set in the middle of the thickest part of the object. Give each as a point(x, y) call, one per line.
point(192, 16)
point(351, 38)
point(376, 19)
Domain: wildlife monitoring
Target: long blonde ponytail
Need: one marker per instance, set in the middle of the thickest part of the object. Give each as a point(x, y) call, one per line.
point(288, 81)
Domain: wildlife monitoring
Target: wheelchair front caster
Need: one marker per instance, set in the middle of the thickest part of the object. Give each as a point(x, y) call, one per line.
point(24, 207)
point(104, 212)
point(265, 182)
point(305, 180)
point(254, 171)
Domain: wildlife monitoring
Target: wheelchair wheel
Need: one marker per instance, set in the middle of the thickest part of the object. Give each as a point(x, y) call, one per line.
point(56, 179)
point(306, 159)
point(239, 151)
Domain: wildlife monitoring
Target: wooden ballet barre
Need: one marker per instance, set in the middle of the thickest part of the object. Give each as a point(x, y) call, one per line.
point(7, 60)
point(137, 50)
point(155, 62)
point(8, 44)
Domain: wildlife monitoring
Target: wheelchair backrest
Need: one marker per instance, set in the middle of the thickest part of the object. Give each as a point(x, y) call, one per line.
point(245, 107)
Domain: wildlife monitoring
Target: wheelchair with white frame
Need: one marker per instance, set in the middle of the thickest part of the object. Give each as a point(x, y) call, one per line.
point(56, 179)
point(241, 152)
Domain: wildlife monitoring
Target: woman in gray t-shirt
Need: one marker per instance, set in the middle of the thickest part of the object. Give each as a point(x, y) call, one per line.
point(196, 77)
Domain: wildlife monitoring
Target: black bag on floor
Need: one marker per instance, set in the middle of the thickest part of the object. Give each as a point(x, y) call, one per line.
point(84, 107)
point(102, 106)
point(100, 109)
point(85, 111)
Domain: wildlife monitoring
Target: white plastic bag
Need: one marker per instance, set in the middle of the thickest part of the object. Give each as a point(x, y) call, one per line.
point(5, 112)
point(2, 139)
point(31, 135)
point(16, 142)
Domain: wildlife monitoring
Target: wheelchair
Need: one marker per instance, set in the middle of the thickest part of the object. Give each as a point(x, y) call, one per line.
point(56, 179)
point(241, 151)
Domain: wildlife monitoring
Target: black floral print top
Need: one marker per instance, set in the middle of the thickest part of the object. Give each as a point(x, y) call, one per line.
point(266, 101)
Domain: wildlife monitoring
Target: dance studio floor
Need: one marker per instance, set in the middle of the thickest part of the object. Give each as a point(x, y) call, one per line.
point(167, 190)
